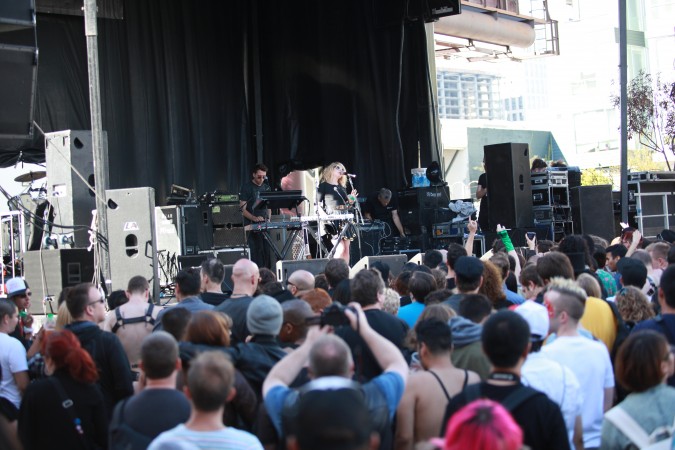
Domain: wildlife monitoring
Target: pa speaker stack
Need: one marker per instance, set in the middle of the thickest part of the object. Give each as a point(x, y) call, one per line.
point(509, 189)
point(19, 61)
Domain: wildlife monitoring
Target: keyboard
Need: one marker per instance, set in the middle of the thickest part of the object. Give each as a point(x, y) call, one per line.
point(325, 217)
point(262, 226)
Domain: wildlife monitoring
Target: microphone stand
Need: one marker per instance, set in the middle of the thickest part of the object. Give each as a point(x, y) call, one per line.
point(318, 214)
point(357, 205)
point(359, 217)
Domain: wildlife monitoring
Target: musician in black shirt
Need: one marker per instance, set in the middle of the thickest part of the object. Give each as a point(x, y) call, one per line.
point(333, 198)
point(383, 205)
point(248, 194)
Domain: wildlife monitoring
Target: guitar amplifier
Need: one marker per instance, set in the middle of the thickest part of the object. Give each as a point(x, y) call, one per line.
point(226, 215)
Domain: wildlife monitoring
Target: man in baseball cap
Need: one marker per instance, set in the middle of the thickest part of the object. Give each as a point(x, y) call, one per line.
point(19, 293)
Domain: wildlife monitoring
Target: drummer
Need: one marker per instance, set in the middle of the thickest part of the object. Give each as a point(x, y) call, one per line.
point(333, 198)
point(382, 205)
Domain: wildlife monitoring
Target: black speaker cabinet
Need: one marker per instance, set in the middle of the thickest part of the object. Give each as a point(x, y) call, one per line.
point(67, 152)
point(395, 263)
point(196, 229)
point(369, 244)
point(16, 15)
point(18, 63)
point(286, 268)
point(132, 236)
point(509, 187)
point(58, 268)
point(229, 237)
point(592, 210)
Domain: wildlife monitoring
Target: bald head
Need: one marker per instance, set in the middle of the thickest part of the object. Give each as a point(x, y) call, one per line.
point(245, 275)
point(330, 356)
point(300, 282)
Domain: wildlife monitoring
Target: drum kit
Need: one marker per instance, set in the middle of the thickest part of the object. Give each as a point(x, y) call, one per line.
point(33, 203)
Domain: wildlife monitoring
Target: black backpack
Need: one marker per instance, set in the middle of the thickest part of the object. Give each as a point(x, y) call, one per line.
point(511, 402)
point(122, 436)
point(374, 398)
point(622, 330)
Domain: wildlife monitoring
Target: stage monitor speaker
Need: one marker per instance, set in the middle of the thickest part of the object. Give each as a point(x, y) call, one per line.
point(285, 268)
point(196, 229)
point(132, 237)
point(417, 259)
point(69, 153)
point(395, 263)
point(592, 210)
point(231, 256)
point(187, 261)
point(57, 269)
point(509, 188)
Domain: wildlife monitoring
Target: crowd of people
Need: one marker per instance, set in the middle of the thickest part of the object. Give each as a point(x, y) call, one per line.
point(554, 346)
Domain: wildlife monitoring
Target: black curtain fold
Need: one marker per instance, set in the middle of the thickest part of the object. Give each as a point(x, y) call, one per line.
point(178, 90)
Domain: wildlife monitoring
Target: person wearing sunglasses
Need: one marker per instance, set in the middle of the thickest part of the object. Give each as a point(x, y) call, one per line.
point(19, 293)
point(87, 306)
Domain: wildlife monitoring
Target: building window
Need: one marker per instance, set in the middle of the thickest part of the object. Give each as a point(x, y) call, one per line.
point(468, 96)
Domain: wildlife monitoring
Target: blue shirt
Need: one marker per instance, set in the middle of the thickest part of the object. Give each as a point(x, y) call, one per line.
point(390, 384)
point(192, 304)
point(512, 297)
point(410, 313)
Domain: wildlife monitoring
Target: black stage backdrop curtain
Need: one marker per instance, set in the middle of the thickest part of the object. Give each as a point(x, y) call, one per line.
point(178, 81)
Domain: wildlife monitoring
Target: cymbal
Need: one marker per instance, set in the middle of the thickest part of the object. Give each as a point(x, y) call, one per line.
point(30, 176)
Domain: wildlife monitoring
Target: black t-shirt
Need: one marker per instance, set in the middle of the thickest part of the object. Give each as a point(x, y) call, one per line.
point(237, 308)
point(154, 411)
point(330, 196)
point(377, 211)
point(539, 417)
point(389, 326)
point(249, 193)
point(213, 298)
point(454, 300)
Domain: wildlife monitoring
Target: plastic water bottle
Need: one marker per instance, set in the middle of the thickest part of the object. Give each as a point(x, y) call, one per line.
point(50, 323)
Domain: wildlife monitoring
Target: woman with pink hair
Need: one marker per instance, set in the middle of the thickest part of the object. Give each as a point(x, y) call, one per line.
point(481, 425)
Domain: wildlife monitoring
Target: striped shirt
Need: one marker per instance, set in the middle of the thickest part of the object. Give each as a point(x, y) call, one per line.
point(181, 438)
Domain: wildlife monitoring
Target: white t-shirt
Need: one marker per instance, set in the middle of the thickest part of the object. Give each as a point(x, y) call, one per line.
point(589, 360)
point(558, 382)
point(181, 438)
point(12, 360)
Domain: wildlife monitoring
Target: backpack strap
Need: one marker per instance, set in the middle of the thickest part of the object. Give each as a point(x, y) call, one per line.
point(518, 397)
point(146, 318)
point(628, 426)
point(69, 406)
point(119, 320)
point(472, 393)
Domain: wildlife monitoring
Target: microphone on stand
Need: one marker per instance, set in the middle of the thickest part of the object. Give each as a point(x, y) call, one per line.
point(350, 175)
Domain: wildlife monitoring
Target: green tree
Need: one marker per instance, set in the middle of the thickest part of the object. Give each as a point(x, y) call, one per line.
point(596, 176)
point(651, 113)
